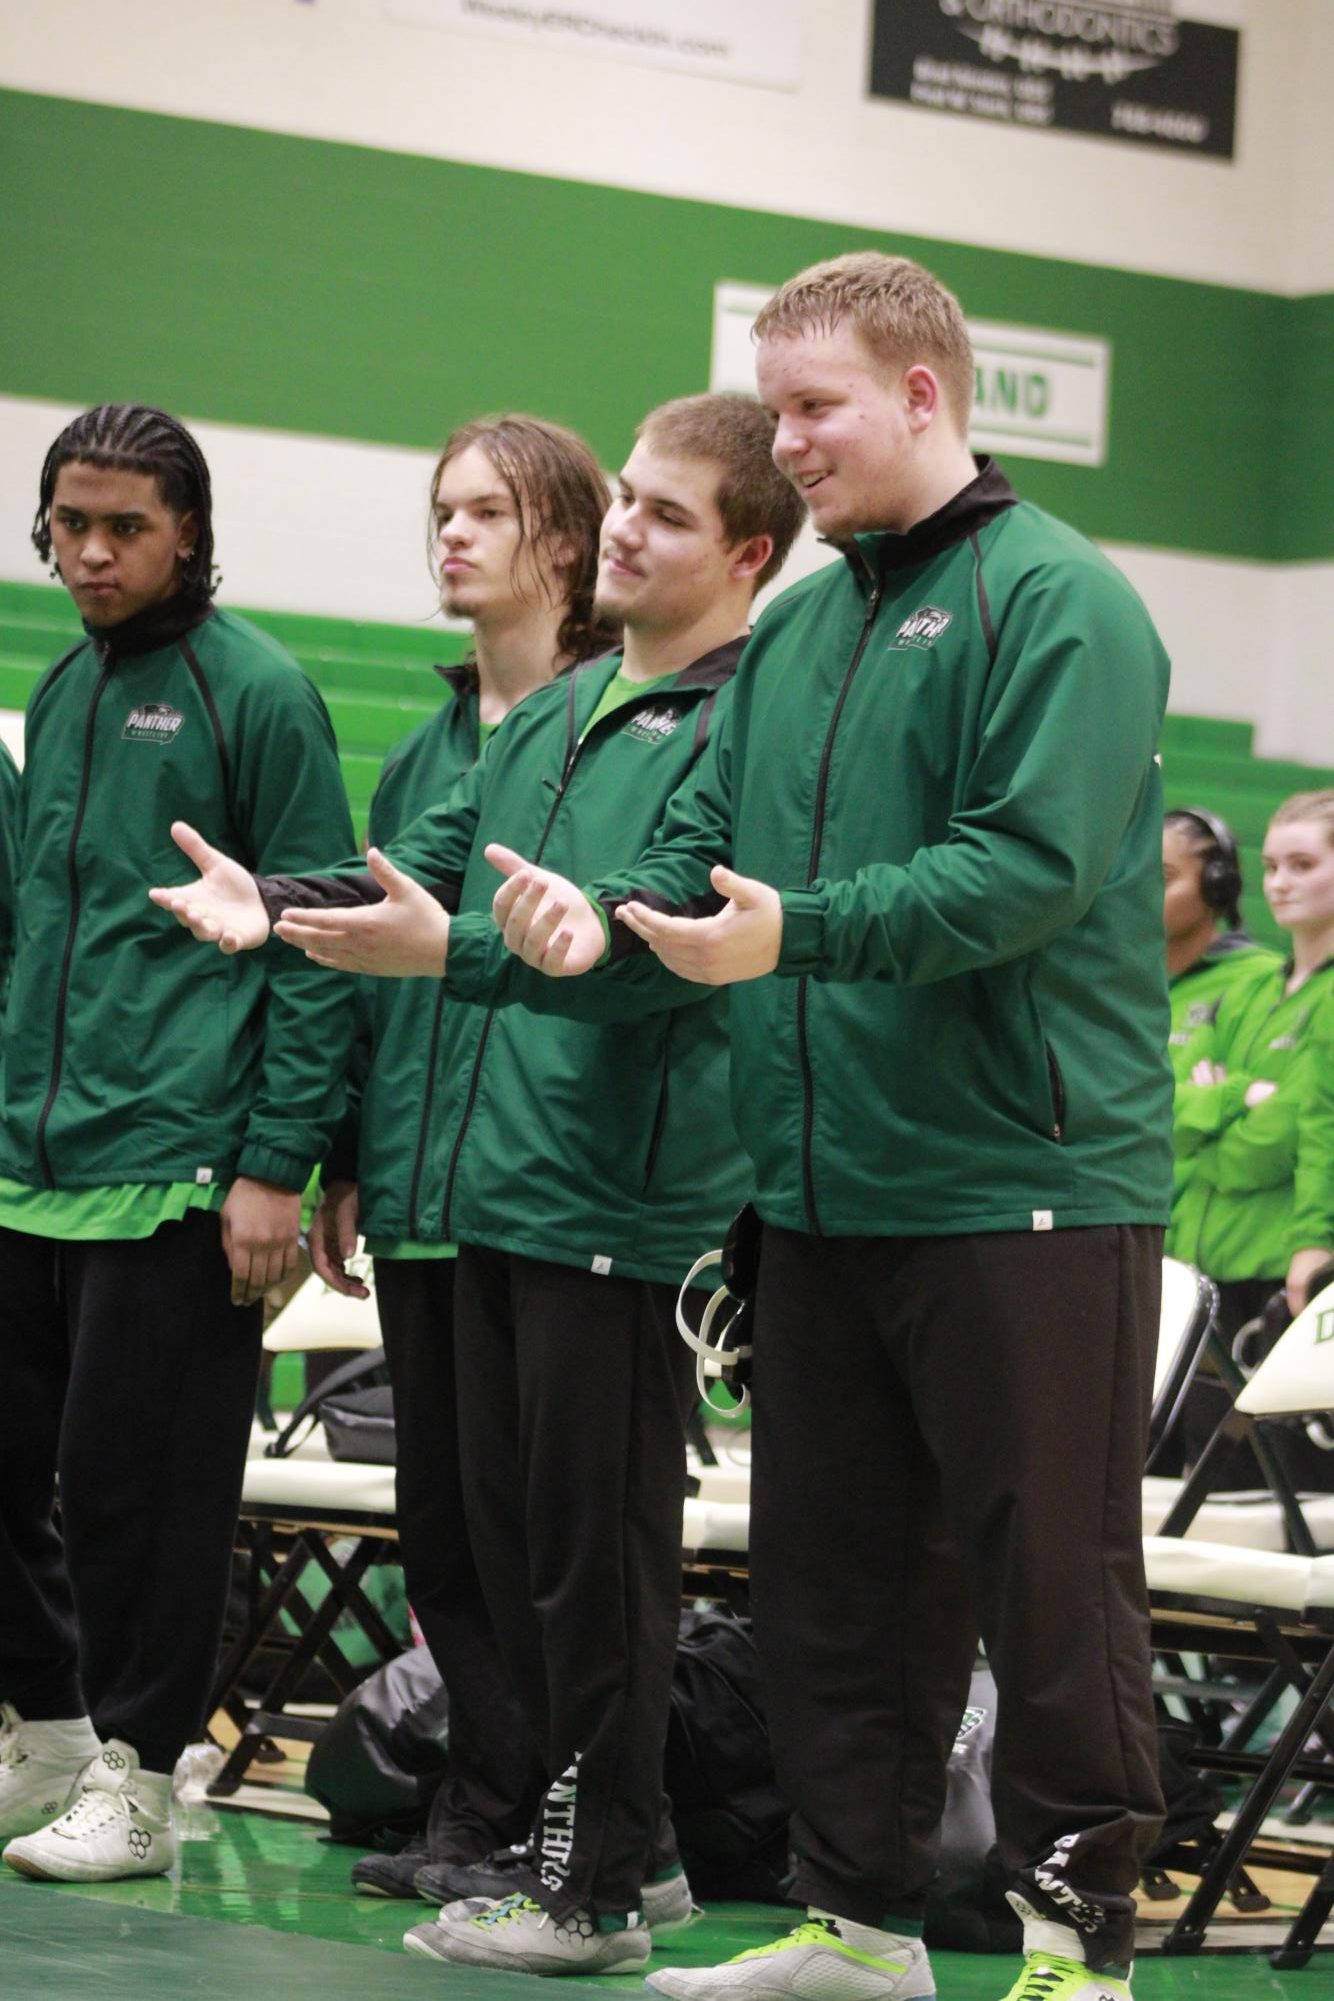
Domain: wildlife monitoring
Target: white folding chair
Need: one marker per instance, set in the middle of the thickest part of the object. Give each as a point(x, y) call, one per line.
point(1186, 1320)
point(1271, 1607)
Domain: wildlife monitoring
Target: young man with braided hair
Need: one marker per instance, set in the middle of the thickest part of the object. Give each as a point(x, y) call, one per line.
point(574, 1230)
point(935, 818)
point(158, 1123)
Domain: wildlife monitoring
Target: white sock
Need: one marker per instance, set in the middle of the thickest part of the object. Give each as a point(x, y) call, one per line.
point(865, 1938)
point(62, 1740)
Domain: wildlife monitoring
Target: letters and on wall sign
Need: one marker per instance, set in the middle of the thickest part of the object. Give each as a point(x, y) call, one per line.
point(1115, 69)
point(1039, 394)
point(743, 41)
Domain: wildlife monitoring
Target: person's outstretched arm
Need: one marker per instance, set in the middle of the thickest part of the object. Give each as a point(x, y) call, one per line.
point(386, 915)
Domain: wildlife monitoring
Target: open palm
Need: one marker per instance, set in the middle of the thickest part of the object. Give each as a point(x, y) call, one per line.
point(222, 906)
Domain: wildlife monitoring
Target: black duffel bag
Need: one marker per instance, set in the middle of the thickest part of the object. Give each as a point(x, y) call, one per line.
point(729, 1816)
point(359, 1424)
point(382, 1758)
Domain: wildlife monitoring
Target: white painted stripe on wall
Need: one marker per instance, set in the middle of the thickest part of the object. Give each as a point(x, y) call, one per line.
point(301, 523)
point(1249, 643)
point(326, 526)
point(342, 71)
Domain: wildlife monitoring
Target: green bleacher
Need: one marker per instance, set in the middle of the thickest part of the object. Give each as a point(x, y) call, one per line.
point(378, 683)
point(1212, 764)
point(376, 679)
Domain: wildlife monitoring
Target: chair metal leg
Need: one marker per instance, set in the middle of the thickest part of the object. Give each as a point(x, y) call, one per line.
point(1187, 1934)
point(315, 1640)
point(1299, 1944)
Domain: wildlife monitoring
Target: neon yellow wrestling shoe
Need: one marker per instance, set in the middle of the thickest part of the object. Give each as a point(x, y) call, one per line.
point(1049, 1977)
point(814, 1963)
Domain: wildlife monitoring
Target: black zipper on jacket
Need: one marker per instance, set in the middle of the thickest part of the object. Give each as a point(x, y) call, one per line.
point(572, 749)
point(660, 1113)
point(813, 869)
point(1057, 1083)
point(71, 865)
point(424, 1128)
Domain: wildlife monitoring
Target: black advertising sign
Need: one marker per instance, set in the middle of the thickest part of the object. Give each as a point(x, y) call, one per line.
point(1116, 70)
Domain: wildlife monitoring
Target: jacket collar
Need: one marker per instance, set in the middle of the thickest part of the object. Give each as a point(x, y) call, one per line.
point(984, 497)
point(461, 676)
point(156, 626)
point(711, 670)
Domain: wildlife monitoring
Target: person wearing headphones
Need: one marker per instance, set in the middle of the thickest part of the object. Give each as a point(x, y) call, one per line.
point(1207, 945)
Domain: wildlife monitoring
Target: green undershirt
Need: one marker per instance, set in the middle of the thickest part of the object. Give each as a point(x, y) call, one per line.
point(618, 692)
point(408, 1247)
point(97, 1215)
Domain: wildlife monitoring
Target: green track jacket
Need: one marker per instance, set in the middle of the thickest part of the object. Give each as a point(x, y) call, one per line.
point(1313, 1183)
point(1238, 1217)
point(9, 816)
point(1193, 997)
point(130, 1054)
point(388, 1141)
point(942, 752)
point(582, 1121)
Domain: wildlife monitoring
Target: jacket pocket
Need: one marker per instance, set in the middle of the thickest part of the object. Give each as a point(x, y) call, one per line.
point(659, 1124)
point(1056, 1082)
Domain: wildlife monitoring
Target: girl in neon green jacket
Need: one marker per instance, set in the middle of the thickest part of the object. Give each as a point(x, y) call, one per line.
point(1250, 1120)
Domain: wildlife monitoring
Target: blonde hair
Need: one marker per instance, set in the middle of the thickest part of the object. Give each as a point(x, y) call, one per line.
point(902, 313)
point(1307, 806)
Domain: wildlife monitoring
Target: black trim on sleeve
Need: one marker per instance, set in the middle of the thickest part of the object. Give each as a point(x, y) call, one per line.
point(983, 603)
point(219, 739)
point(337, 892)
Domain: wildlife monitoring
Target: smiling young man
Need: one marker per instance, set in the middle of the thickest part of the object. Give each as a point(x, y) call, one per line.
point(935, 816)
point(588, 1158)
point(516, 511)
point(159, 1120)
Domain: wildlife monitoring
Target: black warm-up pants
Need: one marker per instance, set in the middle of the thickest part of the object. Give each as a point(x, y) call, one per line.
point(125, 1368)
point(949, 1439)
point(496, 1775)
point(573, 1394)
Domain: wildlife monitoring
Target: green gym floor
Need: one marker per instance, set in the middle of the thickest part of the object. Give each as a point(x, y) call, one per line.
point(259, 1909)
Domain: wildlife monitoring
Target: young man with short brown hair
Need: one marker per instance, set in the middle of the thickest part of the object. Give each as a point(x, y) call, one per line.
point(588, 1158)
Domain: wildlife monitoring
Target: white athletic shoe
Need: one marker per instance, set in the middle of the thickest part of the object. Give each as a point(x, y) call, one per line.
point(668, 1906)
point(41, 1765)
point(1054, 1967)
point(665, 1907)
point(120, 1825)
point(518, 1936)
point(813, 1963)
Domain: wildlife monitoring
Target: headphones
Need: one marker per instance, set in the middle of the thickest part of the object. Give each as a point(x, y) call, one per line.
point(1220, 871)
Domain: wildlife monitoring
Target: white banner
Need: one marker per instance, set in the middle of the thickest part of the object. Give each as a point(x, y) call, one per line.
point(1040, 395)
point(744, 41)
